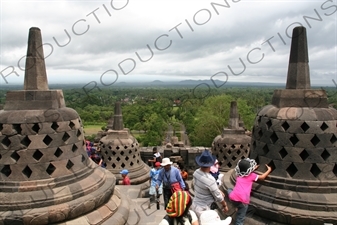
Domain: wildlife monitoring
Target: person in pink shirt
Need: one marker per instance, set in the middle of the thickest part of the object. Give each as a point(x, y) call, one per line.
point(240, 194)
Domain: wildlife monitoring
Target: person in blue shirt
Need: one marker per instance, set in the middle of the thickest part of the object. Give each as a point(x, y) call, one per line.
point(169, 176)
point(155, 193)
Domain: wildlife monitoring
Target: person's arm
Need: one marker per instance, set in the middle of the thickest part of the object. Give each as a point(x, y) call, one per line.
point(195, 220)
point(214, 189)
point(224, 205)
point(223, 201)
point(152, 160)
point(150, 177)
point(265, 174)
point(160, 178)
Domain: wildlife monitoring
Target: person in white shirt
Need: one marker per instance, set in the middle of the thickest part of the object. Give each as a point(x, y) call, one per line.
point(206, 190)
point(156, 156)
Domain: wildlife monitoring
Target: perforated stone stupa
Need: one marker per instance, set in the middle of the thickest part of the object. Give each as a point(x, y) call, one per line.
point(296, 136)
point(120, 150)
point(46, 175)
point(233, 144)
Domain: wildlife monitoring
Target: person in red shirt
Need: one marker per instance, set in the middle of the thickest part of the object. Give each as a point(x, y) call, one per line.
point(126, 179)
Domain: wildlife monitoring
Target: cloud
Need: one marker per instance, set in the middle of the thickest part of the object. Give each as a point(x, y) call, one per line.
point(180, 39)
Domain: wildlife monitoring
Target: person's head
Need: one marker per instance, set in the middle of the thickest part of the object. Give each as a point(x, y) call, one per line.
point(124, 173)
point(166, 163)
point(215, 167)
point(179, 204)
point(211, 217)
point(206, 159)
point(157, 165)
point(155, 149)
point(245, 167)
point(184, 175)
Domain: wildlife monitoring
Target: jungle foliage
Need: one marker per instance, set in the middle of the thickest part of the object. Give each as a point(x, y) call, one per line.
point(203, 110)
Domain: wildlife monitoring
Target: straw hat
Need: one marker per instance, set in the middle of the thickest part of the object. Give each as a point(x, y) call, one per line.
point(166, 161)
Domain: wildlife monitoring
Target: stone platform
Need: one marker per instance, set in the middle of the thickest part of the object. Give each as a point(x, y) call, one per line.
point(135, 210)
point(131, 210)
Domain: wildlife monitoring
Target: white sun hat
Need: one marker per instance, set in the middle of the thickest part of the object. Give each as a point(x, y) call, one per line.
point(211, 217)
point(166, 161)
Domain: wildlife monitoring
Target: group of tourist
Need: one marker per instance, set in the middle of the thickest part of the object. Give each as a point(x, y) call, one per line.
point(182, 209)
point(169, 179)
point(94, 153)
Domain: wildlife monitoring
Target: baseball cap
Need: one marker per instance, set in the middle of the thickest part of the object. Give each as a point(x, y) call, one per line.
point(124, 172)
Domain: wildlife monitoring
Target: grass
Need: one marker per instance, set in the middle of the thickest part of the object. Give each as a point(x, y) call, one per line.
point(92, 129)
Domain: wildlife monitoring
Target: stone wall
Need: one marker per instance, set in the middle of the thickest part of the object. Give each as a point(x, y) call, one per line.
point(188, 154)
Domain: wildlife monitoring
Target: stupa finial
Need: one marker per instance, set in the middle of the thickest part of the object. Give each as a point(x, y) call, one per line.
point(233, 122)
point(118, 117)
point(298, 70)
point(35, 72)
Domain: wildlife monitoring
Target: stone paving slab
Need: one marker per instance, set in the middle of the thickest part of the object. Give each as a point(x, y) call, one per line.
point(139, 213)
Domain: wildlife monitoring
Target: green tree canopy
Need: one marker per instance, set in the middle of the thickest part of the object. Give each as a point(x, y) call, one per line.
point(213, 115)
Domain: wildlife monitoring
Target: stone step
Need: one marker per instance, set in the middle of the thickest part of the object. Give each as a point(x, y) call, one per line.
point(149, 216)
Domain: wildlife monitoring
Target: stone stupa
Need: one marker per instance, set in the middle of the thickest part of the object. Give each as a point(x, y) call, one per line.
point(120, 150)
point(233, 144)
point(46, 175)
point(297, 136)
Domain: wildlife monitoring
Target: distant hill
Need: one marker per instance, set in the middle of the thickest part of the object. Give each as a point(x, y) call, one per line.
point(157, 82)
point(218, 83)
point(162, 84)
point(202, 83)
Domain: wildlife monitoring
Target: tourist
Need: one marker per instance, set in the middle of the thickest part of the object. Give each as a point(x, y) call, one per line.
point(126, 179)
point(95, 155)
point(88, 146)
point(240, 195)
point(184, 175)
point(178, 210)
point(215, 171)
point(155, 193)
point(211, 217)
point(156, 156)
point(206, 190)
point(171, 179)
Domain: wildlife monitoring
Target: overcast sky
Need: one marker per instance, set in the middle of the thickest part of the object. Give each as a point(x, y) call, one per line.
point(146, 40)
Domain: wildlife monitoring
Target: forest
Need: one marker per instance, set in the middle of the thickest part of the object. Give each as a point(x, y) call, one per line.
point(203, 111)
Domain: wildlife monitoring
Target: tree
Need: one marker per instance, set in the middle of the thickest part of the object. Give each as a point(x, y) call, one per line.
point(213, 116)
